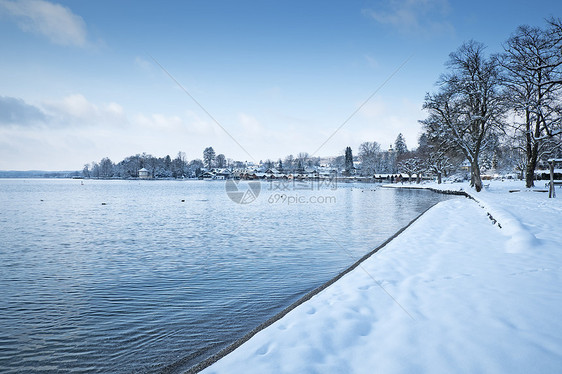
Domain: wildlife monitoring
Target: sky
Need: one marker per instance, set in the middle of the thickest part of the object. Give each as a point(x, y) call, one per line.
point(256, 80)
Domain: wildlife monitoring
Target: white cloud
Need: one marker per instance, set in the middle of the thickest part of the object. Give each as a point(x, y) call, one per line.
point(76, 110)
point(420, 17)
point(58, 23)
point(115, 109)
point(159, 122)
point(75, 131)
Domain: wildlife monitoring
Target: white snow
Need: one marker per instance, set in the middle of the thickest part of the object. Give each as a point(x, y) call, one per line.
point(454, 293)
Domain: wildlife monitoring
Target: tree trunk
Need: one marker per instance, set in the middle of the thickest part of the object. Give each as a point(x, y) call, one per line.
point(551, 189)
point(477, 180)
point(532, 157)
point(439, 178)
point(531, 166)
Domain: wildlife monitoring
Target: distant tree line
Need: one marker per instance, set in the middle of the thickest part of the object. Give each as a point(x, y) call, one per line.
point(158, 167)
point(500, 112)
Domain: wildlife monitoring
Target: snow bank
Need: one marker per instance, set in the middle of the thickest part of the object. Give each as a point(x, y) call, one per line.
point(444, 296)
point(519, 238)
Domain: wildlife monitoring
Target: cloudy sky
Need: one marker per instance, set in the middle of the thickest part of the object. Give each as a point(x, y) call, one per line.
point(82, 80)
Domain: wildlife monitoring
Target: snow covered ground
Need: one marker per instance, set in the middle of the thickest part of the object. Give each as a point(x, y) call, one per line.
point(454, 293)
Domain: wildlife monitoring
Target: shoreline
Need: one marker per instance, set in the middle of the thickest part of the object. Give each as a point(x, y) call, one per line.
point(457, 276)
point(230, 348)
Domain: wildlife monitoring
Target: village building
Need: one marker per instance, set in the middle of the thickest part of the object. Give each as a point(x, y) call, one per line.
point(144, 174)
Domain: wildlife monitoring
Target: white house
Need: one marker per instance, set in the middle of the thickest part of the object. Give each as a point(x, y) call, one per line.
point(143, 174)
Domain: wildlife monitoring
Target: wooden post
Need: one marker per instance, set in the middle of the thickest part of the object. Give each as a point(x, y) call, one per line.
point(551, 190)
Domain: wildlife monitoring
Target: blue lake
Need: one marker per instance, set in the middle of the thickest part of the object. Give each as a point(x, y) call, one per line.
point(147, 276)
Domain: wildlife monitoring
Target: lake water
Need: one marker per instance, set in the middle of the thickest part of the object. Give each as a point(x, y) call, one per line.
point(146, 276)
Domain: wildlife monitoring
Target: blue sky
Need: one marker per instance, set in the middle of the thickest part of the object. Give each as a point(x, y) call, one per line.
point(79, 82)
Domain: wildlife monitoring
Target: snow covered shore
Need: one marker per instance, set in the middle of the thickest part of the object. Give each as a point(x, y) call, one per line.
point(453, 293)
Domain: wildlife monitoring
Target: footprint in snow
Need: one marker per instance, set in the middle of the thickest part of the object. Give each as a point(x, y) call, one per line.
point(263, 350)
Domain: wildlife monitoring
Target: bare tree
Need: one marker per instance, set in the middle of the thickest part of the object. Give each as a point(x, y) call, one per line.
point(86, 171)
point(194, 167)
point(220, 160)
point(369, 153)
point(532, 60)
point(289, 163)
point(303, 158)
point(106, 168)
point(438, 163)
point(410, 166)
point(468, 108)
point(179, 165)
point(339, 163)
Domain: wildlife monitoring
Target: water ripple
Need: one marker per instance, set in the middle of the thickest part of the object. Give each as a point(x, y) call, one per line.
point(147, 281)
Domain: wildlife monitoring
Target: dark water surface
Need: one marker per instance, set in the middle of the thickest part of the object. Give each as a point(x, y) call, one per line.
point(145, 280)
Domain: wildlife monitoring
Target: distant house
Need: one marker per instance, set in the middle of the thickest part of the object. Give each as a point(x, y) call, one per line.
point(208, 175)
point(143, 174)
point(223, 174)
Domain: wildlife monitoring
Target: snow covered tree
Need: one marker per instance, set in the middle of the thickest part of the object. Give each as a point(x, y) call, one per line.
point(194, 168)
point(369, 153)
point(468, 107)
point(339, 162)
point(179, 166)
point(348, 160)
point(400, 145)
point(302, 160)
point(95, 170)
point(106, 168)
point(209, 157)
point(290, 163)
point(167, 163)
point(150, 163)
point(410, 166)
point(438, 163)
point(388, 162)
point(220, 160)
point(533, 64)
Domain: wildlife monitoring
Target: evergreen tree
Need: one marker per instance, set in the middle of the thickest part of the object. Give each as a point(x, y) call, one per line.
point(348, 160)
point(400, 145)
point(209, 157)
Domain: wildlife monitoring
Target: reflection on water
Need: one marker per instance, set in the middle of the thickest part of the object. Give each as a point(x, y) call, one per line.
point(133, 276)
